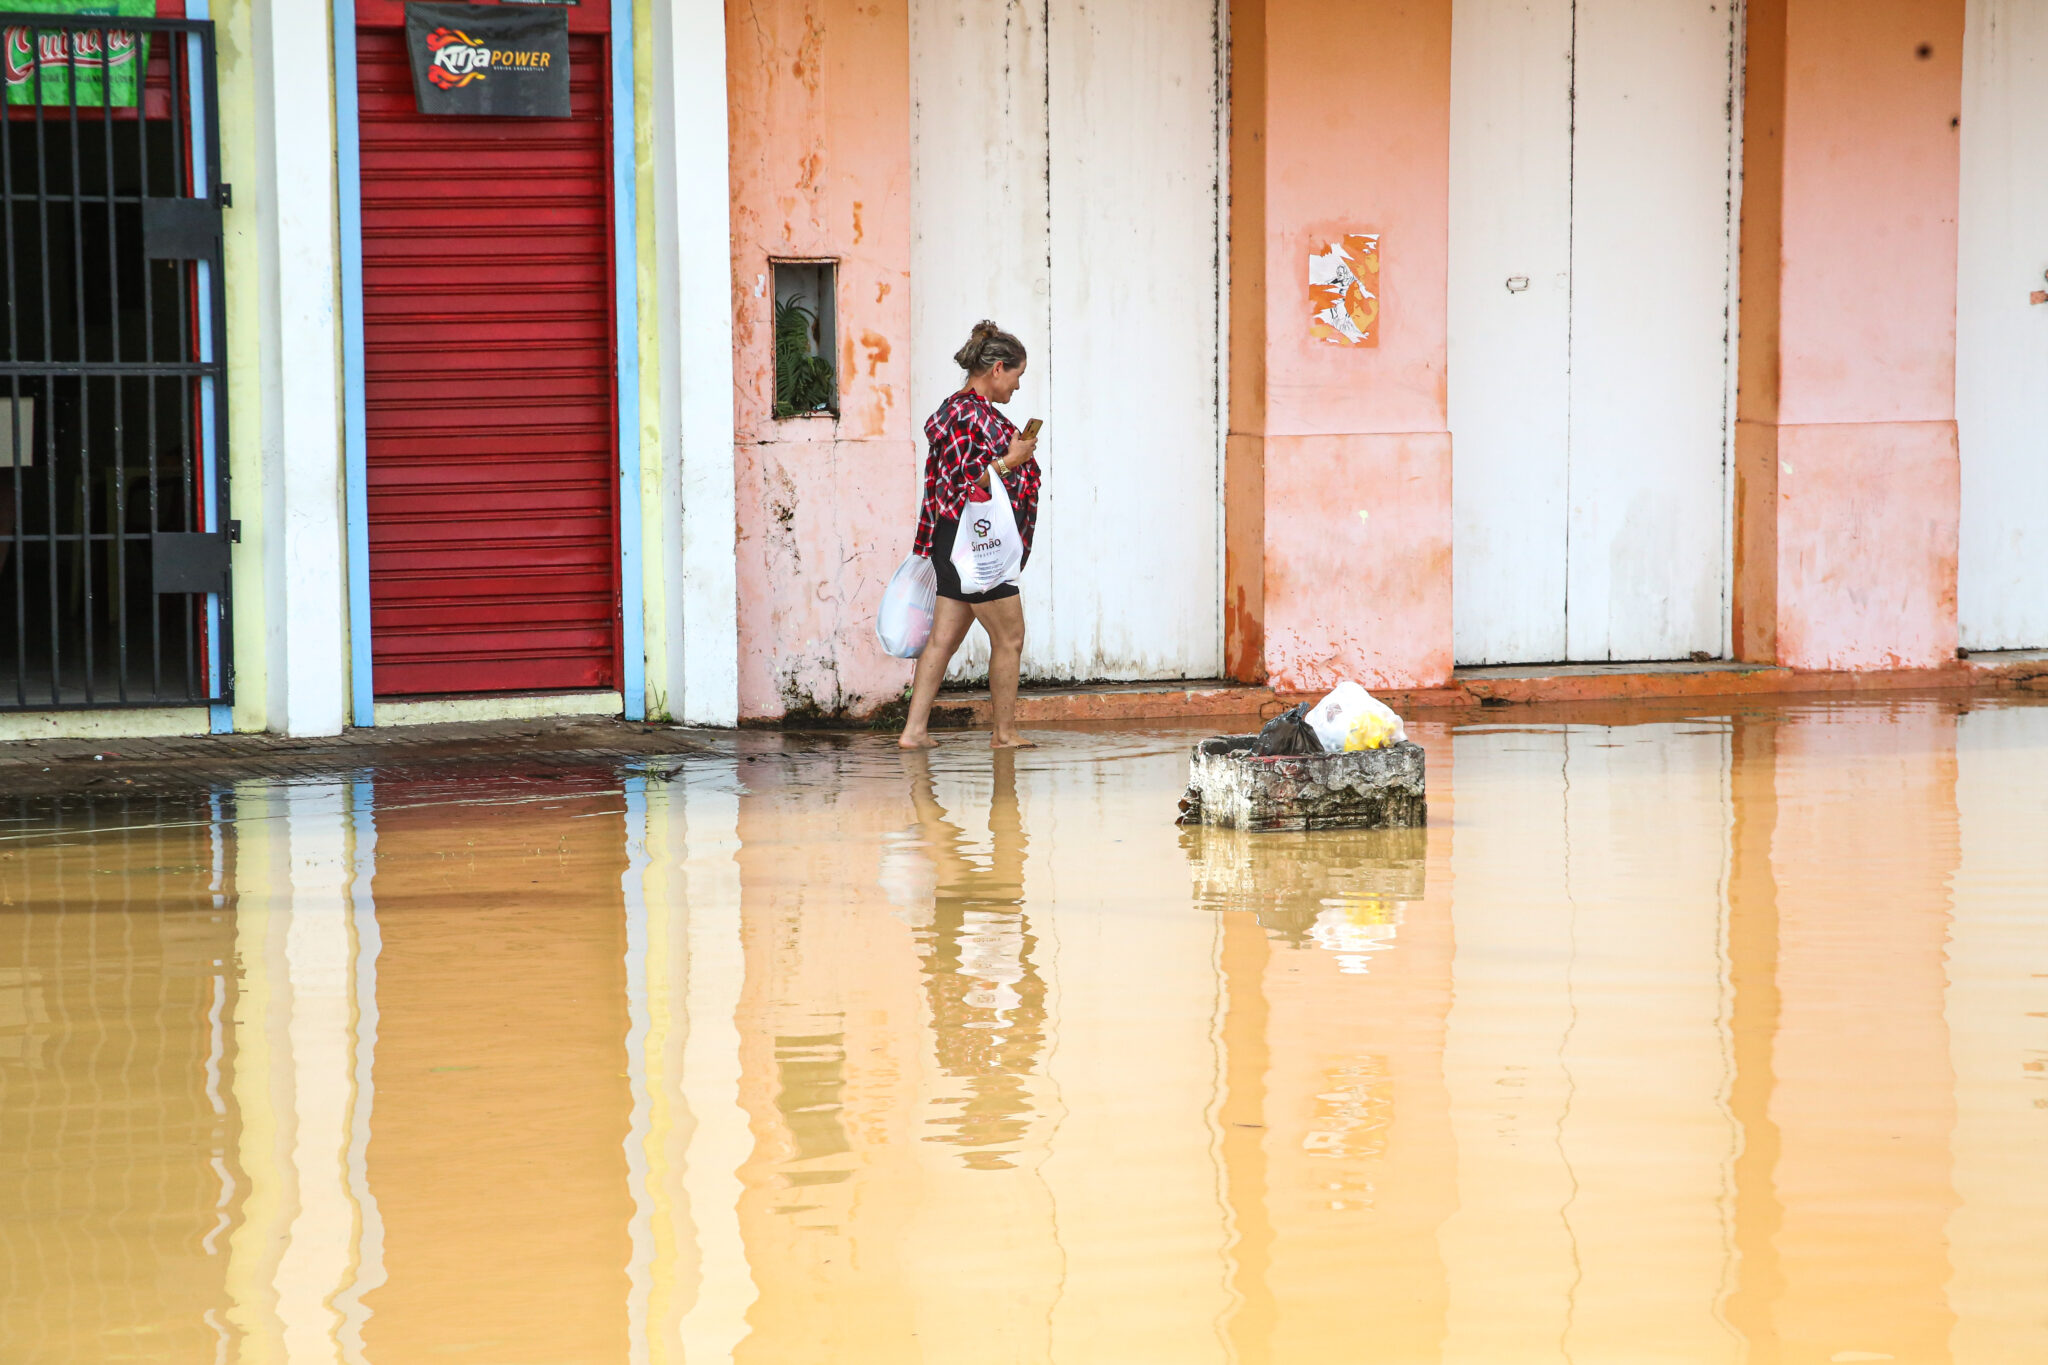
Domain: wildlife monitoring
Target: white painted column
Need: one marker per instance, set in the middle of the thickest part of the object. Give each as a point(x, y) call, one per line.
point(299, 536)
point(690, 536)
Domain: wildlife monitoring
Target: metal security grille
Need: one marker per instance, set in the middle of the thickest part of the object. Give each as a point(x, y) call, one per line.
point(113, 469)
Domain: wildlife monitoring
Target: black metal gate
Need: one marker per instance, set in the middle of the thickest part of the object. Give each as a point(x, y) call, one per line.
point(113, 415)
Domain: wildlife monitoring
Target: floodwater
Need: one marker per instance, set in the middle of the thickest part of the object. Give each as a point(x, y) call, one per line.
point(1677, 1036)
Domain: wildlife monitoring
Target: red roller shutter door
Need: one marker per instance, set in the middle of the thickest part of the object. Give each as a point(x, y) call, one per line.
point(490, 387)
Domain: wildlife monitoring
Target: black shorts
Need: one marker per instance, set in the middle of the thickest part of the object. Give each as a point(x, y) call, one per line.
point(944, 529)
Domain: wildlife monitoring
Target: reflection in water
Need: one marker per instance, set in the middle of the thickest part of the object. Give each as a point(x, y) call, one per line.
point(1330, 1036)
point(1865, 854)
point(1586, 1048)
point(986, 996)
point(1712, 1038)
point(118, 1163)
point(502, 1099)
point(1341, 890)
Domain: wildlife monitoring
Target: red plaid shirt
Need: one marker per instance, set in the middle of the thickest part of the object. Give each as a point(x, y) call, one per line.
point(967, 435)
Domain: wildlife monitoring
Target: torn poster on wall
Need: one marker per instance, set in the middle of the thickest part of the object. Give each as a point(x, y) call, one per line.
point(1343, 289)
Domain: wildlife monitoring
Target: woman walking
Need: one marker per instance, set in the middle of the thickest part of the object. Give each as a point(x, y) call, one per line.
point(970, 443)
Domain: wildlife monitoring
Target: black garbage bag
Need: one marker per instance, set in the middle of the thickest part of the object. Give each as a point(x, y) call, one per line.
point(1288, 733)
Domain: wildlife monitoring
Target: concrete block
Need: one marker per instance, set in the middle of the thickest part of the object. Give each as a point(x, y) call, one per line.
point(1373, 789)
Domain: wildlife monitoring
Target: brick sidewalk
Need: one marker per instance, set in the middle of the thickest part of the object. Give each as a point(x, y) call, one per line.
point(48, 765)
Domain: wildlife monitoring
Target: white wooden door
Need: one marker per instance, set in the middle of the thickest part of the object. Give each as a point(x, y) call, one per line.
point(1591, 310)
point(1510, 326)
point(2001, 336)
point(980, 242)
point(1065, 178)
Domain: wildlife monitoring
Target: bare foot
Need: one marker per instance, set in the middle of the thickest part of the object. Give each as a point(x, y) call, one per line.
point(1019, 742)
point(910, 741)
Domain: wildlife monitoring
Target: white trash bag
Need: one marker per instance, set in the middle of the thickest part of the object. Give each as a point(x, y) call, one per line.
point(988, 552)
point(904, 622)
point(1351, 719)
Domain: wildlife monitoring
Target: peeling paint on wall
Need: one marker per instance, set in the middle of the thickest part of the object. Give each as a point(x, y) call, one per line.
point(819, 93)
point(1343, 288)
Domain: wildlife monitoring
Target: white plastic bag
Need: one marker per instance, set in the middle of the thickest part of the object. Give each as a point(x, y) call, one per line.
point(988, 551)
point(903, 623)
point(1351, 719)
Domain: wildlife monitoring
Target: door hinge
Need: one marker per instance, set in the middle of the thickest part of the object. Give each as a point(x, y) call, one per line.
point(227, 195)
point(234, 532)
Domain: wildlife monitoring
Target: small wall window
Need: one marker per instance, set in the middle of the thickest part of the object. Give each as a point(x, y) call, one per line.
point(806, 384)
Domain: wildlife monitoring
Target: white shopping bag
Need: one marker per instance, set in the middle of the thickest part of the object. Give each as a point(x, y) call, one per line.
point(988, 551)
point(1351, 719)
point(903, 623)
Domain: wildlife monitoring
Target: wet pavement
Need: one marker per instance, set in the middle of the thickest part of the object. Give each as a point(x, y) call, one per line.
point(1679, 1035)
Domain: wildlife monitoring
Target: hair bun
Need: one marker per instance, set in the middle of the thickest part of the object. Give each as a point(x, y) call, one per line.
point(988, 345)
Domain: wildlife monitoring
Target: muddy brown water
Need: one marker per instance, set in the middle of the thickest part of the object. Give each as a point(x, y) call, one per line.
point(1677, 1036)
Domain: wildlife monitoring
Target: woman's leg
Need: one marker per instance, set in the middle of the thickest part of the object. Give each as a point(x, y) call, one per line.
point(950, 623)
point(1003, 619)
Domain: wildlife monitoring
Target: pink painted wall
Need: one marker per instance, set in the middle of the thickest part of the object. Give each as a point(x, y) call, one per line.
point(1357, 144)
point(1848, 493)
point(1867, 544)
point(1867, 311)
point(819, 93)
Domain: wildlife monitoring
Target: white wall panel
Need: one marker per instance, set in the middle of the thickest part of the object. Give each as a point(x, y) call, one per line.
point(1064, 181)
point(1651, 153)
point(979, 228)
point(1134, 494)
point(2001, 338)
point(1510, 216)
point(1591, 154)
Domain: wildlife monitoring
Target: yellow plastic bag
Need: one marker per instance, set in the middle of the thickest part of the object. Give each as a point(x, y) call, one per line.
point(1351, 719)
point(1374, 729)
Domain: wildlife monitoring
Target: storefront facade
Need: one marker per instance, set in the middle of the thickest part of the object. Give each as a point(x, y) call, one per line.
point(446, 425)
point(1372, 342)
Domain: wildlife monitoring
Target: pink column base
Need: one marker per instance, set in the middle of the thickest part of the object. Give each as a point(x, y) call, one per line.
point(1365, 598)
point(1866, 531)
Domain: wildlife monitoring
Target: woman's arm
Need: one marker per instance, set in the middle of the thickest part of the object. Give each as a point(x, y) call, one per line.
point(1022, 451)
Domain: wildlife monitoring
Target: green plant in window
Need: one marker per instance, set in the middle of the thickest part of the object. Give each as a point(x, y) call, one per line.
point(803, 382)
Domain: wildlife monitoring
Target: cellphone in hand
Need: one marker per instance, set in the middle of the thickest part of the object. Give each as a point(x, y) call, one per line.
point(1031, 427)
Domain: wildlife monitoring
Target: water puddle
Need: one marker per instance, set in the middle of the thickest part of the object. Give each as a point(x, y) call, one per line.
point(1710, 1037)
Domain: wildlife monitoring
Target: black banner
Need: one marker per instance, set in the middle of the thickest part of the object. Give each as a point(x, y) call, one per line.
point(500, 61)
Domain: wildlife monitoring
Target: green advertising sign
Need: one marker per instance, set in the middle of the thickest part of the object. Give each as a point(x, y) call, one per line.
point(89, 67)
